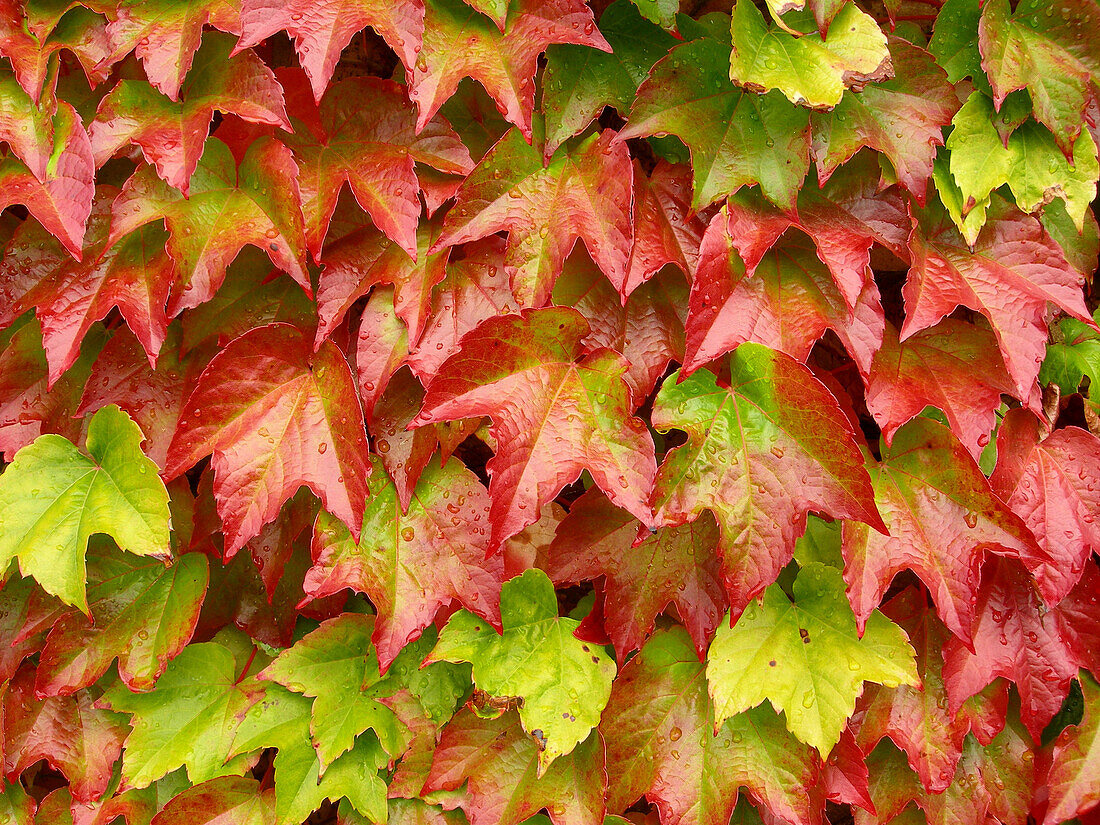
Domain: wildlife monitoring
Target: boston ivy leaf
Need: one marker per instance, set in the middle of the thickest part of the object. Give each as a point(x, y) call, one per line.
point(777, 446)
point(505, 779)
point(790, 653)
point(902, 117)
point(580, 81)
point(54, 497)
point(736, 138)
point(663, 741)
point(460, 42)
point(16, 805)
point(1016, 638)
point(1076, 760)
point(322, 28)
point(584, 192)
point(141, 612)
point(171, 133)
point(934, 368)
point(381, 347)
point(562, 682)
point(369, 139)
point(1078, 617)
point(954, 42)
point(1049, 54)
point(1011, 273)
point(189, 719)
point(1047, 483)
point(552, 416)
point(808, 68)
point(677, 566)
point(229, 206)
point(928, 477)
point(1072, 355)
point(275, 415)
point(227, 800)
point(25, 127)
point(413, 563)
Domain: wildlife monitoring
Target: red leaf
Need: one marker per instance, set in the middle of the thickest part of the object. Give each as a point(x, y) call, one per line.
point(1078, 617)
point(1074, 767)
point(275, 415)
point(381, 347)
point(844, 773)
point(27, 128)
point(223, 801)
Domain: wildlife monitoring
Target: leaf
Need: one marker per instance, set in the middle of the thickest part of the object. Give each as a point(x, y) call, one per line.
point(16, 806)
point(1073, 769)
point(229, 206)
point(552, 416)
point(777, 445)
point(291, 413)
point(1014, 269)
point(1074, 354)
point(1046, 53)
point(584, 192)
point(228, 800)
point(321, 30)
point(1077, 616)
point(810, 69)
point(141, 612)
point(368, 139)
point(689, 94)
point(70, 733)
point(412, 564)
point(954, 42)
point(166, 35)
point(902, 117)
point(789, 653)
point(54, 498)
point(459, 42)
point(26, 128)
point(497, 761)
point(662, 741)
point(934, 368)
point(170, 130)
point(381, 347)
point(580, 81)
point(69, 296)
point(942, 517)
point(562, 683)
point(189, 719)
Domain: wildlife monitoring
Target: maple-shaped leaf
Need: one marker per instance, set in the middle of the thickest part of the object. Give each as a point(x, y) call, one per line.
point(460, 42)
point(662, 741)
point(675, 566)
point(190, 718)
point(1013, 270)
point(789, 652)
point(62, 201)
point(229, 206)
point(561, 682)
point(1050, 483)
point(585, 192)
point(916, 104)
point(227, 800)
point(927, 477)
point(1050, 55)
point(69, 732)
point(580, 81)
point(934, 367)
point(369, 140)
point(413, 563)
point(504, 777)
point(1016, 638)
point(736, 138)
point(776, 446)
point(54, 497)
point(321, 30)
point(171, 133)
point(276, 415)
point(166, 35)
point(1076, 762)
point(647, 329)
point(133, 275)
point(786, 302)
point(281, 720)
point(553, 416)
point(336, 665)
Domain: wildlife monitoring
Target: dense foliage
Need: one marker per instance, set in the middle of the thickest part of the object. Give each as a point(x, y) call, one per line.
point(342, 484)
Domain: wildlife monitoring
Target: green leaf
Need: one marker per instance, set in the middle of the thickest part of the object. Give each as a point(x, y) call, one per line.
point(808, 69)
point(661, 12)
point(563, 682)
point(806, 657)
point(954, 42)
point(54, 497)
point(1074, 354)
